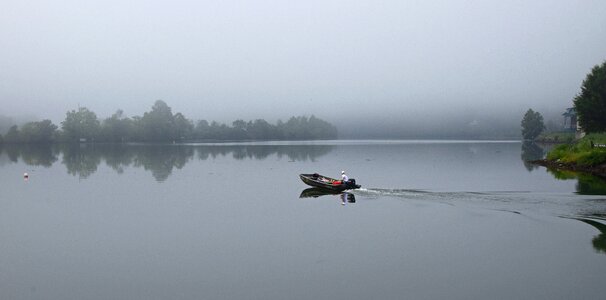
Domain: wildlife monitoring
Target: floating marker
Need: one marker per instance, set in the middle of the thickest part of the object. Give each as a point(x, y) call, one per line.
point(25, 175)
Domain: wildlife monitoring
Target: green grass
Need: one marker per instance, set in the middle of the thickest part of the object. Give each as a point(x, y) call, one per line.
point(581, 152)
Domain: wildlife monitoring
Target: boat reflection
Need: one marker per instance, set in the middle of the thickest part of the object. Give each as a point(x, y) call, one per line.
point(317, 192)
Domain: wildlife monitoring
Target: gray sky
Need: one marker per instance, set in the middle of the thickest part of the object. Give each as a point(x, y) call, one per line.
point(223, 60)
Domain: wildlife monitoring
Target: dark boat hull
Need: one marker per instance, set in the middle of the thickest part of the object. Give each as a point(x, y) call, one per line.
point(328, 183)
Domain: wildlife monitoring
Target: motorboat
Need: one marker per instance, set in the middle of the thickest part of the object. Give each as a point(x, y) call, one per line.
point(327, 183)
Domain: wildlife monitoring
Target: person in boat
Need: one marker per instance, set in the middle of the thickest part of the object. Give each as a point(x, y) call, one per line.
point(344, 177)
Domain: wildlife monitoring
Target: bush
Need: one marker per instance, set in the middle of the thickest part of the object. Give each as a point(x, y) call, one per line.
point(559, 152)
point(592, 158)
point(581, 152)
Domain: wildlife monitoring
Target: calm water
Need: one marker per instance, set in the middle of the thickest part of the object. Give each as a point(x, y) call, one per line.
point(434, 220)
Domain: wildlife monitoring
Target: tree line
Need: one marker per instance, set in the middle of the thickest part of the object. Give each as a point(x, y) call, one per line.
point(161, 125)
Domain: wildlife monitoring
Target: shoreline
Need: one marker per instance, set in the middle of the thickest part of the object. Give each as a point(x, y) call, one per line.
point(599, 170)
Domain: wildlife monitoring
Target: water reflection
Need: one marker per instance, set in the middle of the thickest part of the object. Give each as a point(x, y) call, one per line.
point(591, 185)
point(531, 151)
point(161, 160)
point(260, 152)
point(599, 241)
point(586, 184)
point(33, 155)
point(345, 197)
point(82, 160)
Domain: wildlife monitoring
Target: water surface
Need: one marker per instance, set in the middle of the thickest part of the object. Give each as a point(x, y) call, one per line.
point(434, 220)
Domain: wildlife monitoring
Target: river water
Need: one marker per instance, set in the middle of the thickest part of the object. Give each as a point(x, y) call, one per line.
point(433, 220)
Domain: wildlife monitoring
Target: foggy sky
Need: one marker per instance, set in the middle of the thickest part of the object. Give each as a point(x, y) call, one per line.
point(339, 60)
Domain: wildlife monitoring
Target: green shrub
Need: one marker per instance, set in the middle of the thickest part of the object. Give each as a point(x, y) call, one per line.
point(581, 152)
point(592, 158)
point(558, 152)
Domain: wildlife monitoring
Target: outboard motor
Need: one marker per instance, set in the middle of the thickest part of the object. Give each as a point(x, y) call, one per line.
point(351, 183)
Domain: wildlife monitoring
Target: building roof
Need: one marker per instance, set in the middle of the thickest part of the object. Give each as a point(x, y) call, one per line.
point(570, 112)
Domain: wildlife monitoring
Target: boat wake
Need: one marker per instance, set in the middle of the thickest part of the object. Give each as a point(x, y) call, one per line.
point(417, 193)
point(403, 193)
point(519, 202)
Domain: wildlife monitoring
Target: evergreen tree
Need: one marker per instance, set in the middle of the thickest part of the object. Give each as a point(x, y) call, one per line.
point(590, 105)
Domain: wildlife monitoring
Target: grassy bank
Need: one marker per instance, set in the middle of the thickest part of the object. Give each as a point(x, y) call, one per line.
point(581, 153)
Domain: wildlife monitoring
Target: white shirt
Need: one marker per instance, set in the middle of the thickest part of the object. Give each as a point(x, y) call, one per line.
point(344, 177)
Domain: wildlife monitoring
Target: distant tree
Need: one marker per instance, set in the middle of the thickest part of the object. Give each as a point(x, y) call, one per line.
point(260, 130)
point(184, 128)
point(5, 124)
point(137, 128)
point(239, 130)
point(532, 125)
point(320, 129)
point(201, 131)
point(117, 128)
point(239, 124)
point(590, 104)
point(38, 132)
point(293, 128)
point(80, 124)
point(13, 135)
point(217, 131)
point(303, 128)
point(159, 123)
